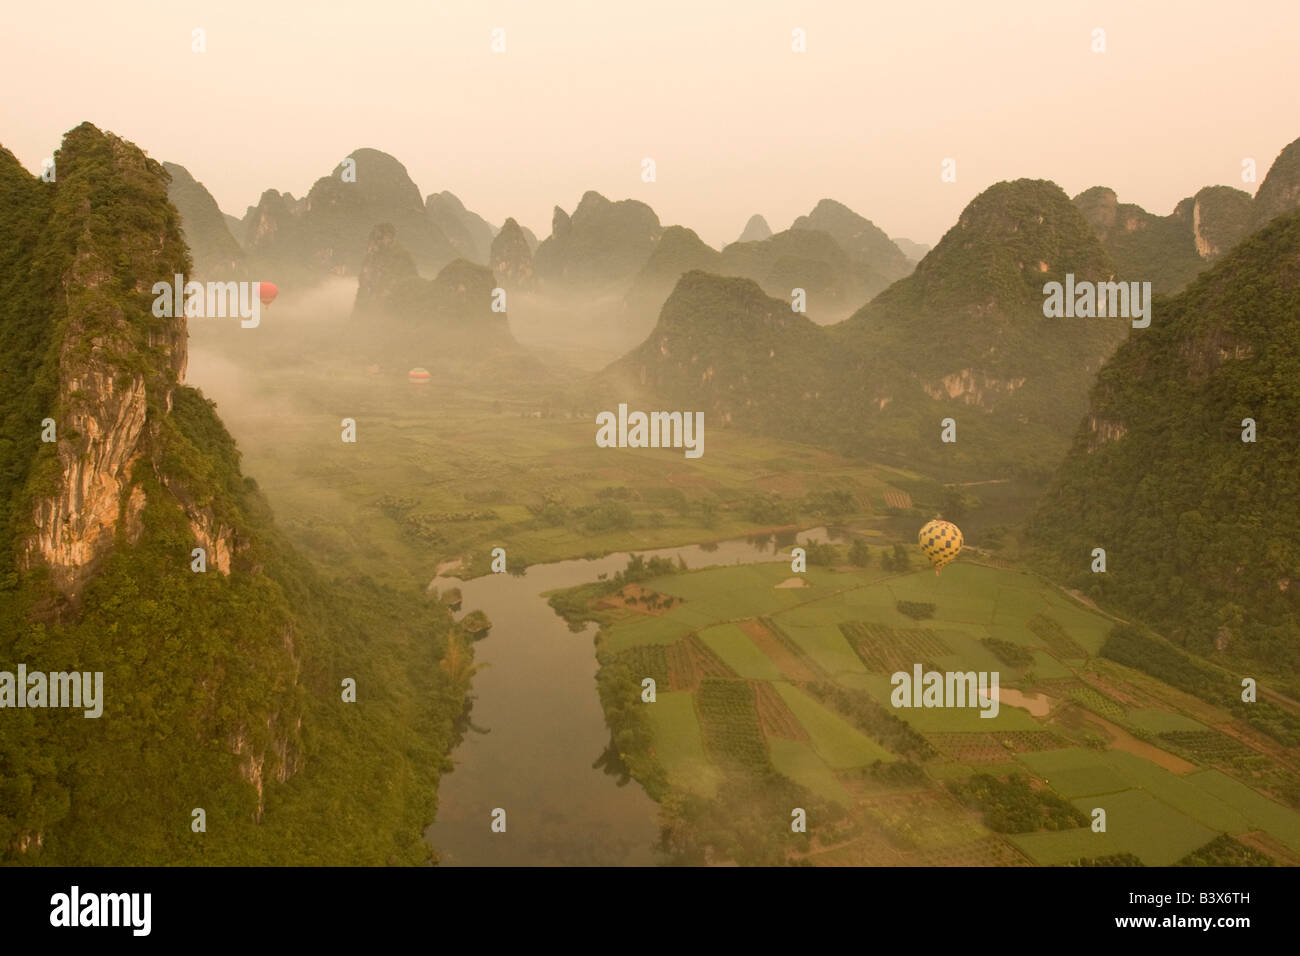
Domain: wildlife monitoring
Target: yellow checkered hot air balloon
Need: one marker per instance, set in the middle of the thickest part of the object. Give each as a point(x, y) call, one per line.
point(940, 541)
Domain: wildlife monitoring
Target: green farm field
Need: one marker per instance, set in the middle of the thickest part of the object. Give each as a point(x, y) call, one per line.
point(444, 473)
point(809, 705)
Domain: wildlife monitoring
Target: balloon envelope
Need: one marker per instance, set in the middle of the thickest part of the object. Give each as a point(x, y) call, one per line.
point(418, 375)
point(266, 291)
point(940, 541)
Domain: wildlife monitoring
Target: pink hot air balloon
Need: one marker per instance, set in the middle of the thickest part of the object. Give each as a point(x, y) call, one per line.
point(267, 292)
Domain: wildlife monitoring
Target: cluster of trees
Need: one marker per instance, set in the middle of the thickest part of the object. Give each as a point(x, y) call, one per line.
point(896, 559)
point(1115, 859)
point(1223, 850)
point(916, 610)
point(1013, 806)
point(821, 553)
point(1135, 647)
point(874, 720)
point(1009, 652)
point(631, 737)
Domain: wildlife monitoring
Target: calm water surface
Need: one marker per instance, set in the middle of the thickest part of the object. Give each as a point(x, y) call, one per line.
point(538, 731)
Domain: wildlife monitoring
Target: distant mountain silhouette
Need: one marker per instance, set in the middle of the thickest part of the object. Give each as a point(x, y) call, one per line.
point(215, 252)
point(511, 258)
point(600, 247)
point(678, 251)
point(755, 230)
point(328, 231)
point(469, 233)
point(859, 237)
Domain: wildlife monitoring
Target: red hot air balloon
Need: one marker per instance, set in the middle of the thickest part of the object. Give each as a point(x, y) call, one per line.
point(267, 292)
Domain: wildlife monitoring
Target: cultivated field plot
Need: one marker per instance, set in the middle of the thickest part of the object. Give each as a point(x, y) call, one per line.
point(797, 682)
point(453, 471)
point(679, 744)
point(1136, 823)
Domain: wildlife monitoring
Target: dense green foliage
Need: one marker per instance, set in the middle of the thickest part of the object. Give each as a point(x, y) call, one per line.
point(1134, 647)
point(575, 604)
point(898, 558)
point(221, 690)
point(916, 610)
point(1009, 652)
point(27, 377)
point(1170, 251)
point(1144, 247)
point(964, 336)
point(1013, 806)
point(1198, 525)
point(1115, 859)
point(1223, 850)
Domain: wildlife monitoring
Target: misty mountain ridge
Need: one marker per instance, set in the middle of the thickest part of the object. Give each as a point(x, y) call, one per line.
point(206, 229)
point(600, 247)
point(927, 348)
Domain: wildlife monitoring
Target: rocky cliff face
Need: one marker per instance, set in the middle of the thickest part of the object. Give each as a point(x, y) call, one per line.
point(139, 473)
point(1170, 251)
point(105, 392)
point(271, 230)
point(1221, 218)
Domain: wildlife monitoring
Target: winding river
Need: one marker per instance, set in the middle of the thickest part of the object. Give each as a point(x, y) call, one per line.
point(537, 729)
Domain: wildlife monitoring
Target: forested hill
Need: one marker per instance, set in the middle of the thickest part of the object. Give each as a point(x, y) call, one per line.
point(962, 337)
point(1171, 250)
point(221, 688)
point(1199, 526)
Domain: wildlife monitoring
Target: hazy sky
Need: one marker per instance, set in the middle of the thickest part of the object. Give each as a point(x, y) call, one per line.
point(736, 122)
